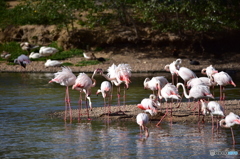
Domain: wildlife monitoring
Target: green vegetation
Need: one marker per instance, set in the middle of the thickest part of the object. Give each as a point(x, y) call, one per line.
point(176, 16)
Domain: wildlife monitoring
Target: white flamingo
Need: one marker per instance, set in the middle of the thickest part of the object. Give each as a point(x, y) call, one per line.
point(173, 68)
point(52, 63)
point(65, 77)
point(186, 74)
point(197, 92)
point(209, 71)
point(118, 75)
point(22, 60)
point(169, 92)
point(222, 79)
point(47, 51)
point(106, 89)
point(142, 120)
point(212, 108)
point(84, 83)
point(230, 120)
point(155, 84)
point(149, 104)
point(34, 55)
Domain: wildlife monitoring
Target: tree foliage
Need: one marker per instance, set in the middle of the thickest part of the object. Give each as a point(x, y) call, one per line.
point(177, 16)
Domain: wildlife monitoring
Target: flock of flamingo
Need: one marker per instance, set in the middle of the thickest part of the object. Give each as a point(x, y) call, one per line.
point(198, 89)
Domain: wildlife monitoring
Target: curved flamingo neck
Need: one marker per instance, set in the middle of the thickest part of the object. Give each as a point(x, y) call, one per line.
point(184, 90)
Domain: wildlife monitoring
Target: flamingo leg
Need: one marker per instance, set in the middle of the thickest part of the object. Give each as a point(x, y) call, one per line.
point(163, 116)
point(232, 136)
point(67, 105)
point(80, 106)
point(118, 94)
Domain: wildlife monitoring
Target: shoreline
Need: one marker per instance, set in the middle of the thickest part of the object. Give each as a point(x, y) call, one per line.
point(146, 65)
point(182, 114)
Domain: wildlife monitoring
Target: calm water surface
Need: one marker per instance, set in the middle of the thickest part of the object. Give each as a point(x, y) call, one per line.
point(26, 131)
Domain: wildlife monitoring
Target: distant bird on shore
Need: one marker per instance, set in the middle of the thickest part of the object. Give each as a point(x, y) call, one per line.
point(149, 104)
point(22, 60)
point(142, 120)
point(52, 63)
point(229, 121)
point(26, 46)
point(193, 62)
point(91, 56)
point(34, 55)
point(47, 51)
point(5, 55)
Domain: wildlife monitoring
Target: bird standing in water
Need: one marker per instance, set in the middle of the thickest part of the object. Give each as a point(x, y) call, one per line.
point(65, 78)
point(142, 120)
point(230, 120)
point(106, 89)
point(84, 84)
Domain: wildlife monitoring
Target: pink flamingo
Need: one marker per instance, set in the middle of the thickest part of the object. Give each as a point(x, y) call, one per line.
point(22, 60)
point(149, 104)
point(85, 83)
point(169, 92)
point(65, 78)
point(118, 75)
point(173, 68)
point(156, 83)
point(222, 79)
point(229, 121)
point(105, 89)
point(197, 92)
point(142, 120)
point(212, 108)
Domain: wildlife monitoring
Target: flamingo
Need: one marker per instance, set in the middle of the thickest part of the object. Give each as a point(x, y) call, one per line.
point(230, 120)
point(173, 67)
point(197, 92)
point(85, 83)
point(34, 55)
point(105, 89)
point(222, 79)
point(52, 63)
point(212, 108)
point(209, 71)
point(22, 60)
point(118, 75)
point(169, 92)
point(149, 104)
point(156, 83)
point(26, 46)
point(200, 80)
point(142, 120)
point(47, 51)
point(65, 78)
point(185, 73)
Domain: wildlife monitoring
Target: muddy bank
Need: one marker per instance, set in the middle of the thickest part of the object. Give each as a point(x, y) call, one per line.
point(185, 113)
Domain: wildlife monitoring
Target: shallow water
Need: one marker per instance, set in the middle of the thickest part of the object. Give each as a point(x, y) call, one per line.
point(26, 131)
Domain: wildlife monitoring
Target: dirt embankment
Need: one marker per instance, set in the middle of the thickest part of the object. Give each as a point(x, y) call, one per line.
point(149, 52)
